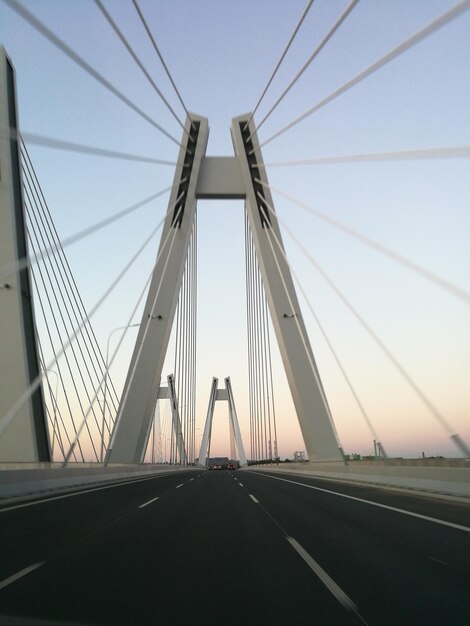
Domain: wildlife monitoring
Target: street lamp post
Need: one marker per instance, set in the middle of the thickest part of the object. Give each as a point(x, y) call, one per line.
point(106, 382)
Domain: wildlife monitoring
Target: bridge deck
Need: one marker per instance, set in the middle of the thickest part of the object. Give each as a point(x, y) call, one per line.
point(235, 548)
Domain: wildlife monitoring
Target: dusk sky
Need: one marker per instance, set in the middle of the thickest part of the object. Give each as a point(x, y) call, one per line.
point(221, 54)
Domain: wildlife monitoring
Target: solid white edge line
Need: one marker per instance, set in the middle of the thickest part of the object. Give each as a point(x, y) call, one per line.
point(141, 506)
point(20, 574)
point(382, 506)
point(254, 499)
point(79, 493)
point(329, 583)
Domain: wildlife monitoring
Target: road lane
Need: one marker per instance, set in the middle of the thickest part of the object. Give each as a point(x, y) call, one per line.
point(455, 510)
point(32, 533)
point(399, 569)
point(204, 553)
point(233, 548)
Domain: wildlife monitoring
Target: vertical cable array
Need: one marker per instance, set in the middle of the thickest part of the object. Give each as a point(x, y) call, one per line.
point(263, 429)
point(62, 310)
point(51, 401)
point(185, 353)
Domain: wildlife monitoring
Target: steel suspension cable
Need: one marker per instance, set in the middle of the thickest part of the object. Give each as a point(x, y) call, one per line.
point(59, 374)
point(456, 152)
point(165, 427)
point(278, 65)
point(266, 367)
point(184, 351)
point(6, 419)
point(424, 32)
point(176, 367)
point(419, 392)
point(69, 146)
point(139, 63)
point(187, 349)
point(248, 326)
point(155, 428)
point(98, 389)
point(128, 325)
point(162, 61)
point(42, 308)
point(34, 230)
point(259, 295)
point(51, 274)
point(194, 343)
point(51, 421)
point(132, 372)
point(53, 399)
point(57, 271)
point(252, 356)
point(45, 370)
point(265, 362)
point(188, 436)
point(92, 343)
point(180, 352)
point(302, 332)
point(325, 336)
point(63, 47)
point(411, 265)
point(184, 346)
point(10, 269)
point(257, 360)
point(314, 54)
point(272, 395)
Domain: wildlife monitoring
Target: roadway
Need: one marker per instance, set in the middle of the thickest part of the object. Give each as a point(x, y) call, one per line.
point(238, 547)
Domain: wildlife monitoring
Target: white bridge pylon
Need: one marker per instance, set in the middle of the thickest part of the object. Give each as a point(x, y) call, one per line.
point(169, 393)
point(226, 395)
point(200, 177)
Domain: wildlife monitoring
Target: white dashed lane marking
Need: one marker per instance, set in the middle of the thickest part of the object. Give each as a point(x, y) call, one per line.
point(20, 574)
point(141, 506)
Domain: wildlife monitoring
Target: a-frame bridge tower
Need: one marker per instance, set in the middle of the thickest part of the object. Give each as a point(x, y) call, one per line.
point(242, 176)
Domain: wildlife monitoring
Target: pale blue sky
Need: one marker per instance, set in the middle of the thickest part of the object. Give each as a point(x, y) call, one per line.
point(221, 54)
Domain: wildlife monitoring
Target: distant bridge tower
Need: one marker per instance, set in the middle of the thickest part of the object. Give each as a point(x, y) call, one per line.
point(238, 177)
point(24, 437)
point(227, 395)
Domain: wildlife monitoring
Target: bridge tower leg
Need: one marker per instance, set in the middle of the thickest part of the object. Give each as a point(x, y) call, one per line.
point(134, 418)
point(313, 412)
point(25, 438)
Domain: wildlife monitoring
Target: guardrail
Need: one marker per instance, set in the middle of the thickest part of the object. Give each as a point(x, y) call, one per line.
point(29, 480)
point(438, 478)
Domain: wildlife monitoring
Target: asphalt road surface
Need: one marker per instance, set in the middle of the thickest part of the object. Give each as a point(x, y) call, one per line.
point(224, 548)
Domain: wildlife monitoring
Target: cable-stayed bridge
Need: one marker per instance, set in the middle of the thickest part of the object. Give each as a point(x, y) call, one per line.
point(146, 489)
